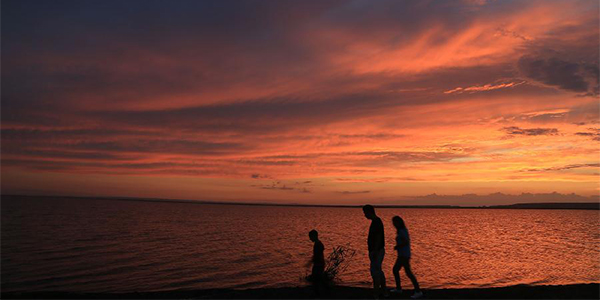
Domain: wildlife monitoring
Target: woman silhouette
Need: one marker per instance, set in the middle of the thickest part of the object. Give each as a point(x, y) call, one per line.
point(403, 260)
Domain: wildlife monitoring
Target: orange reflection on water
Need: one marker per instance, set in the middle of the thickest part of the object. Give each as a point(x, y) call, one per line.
point(119, 246)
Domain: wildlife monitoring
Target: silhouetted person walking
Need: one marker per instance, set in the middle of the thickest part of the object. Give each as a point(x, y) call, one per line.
point(376, 245)
point(317, 276)
point(403, 260)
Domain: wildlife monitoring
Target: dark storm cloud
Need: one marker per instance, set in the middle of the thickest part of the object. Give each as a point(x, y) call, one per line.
point(560, 73)
point(514, 130)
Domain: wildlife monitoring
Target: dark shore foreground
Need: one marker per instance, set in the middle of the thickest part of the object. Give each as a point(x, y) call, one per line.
point(574, 291)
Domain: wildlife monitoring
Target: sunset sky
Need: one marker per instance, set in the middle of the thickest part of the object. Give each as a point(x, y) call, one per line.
point(339, 102)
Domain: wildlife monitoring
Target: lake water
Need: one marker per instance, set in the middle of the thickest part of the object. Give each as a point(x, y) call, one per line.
point(88, 245)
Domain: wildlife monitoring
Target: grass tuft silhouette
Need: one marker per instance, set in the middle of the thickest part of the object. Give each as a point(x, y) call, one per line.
point(336, 263)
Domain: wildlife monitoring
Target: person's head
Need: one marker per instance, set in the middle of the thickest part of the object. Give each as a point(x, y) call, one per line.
point(313, 235)
point(398, 223)
point(369, 211)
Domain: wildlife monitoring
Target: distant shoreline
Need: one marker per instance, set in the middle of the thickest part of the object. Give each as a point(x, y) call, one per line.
point(572, 291)
point(546, 205)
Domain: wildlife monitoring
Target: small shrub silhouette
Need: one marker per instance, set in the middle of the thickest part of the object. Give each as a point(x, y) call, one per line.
point(336, 263)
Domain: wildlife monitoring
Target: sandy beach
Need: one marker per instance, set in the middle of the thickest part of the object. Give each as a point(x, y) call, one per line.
point(574, 291)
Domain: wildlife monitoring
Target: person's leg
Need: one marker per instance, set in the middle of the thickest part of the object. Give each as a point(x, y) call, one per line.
point(376, 285)
point(374, 273)
point(316, 278)
point(396, 272)
point(383, 284)
point(382, 274)
point(320, 285)
point(323, 282)
point(410, 274)
point(324, 285)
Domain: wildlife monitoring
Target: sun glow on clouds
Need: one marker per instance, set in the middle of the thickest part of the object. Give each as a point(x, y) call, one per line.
point(307, 102)
point(487, 87)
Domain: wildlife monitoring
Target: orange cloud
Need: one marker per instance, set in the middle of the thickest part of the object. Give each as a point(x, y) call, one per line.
point(334, 101)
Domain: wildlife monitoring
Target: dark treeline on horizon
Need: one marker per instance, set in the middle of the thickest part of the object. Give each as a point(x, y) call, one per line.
point(540, 205)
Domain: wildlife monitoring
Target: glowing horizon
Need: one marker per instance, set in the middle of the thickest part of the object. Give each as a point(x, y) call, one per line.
point(303, 102)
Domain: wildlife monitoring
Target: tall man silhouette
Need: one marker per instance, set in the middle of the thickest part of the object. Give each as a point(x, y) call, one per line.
point(376, 245)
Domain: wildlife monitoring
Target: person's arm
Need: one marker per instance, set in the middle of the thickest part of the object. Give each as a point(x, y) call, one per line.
point(379, 238)
point(400, 241)
point(403, 241)
point(311, 261)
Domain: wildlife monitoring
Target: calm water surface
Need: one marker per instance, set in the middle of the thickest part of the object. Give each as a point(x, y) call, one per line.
point(90, 245)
